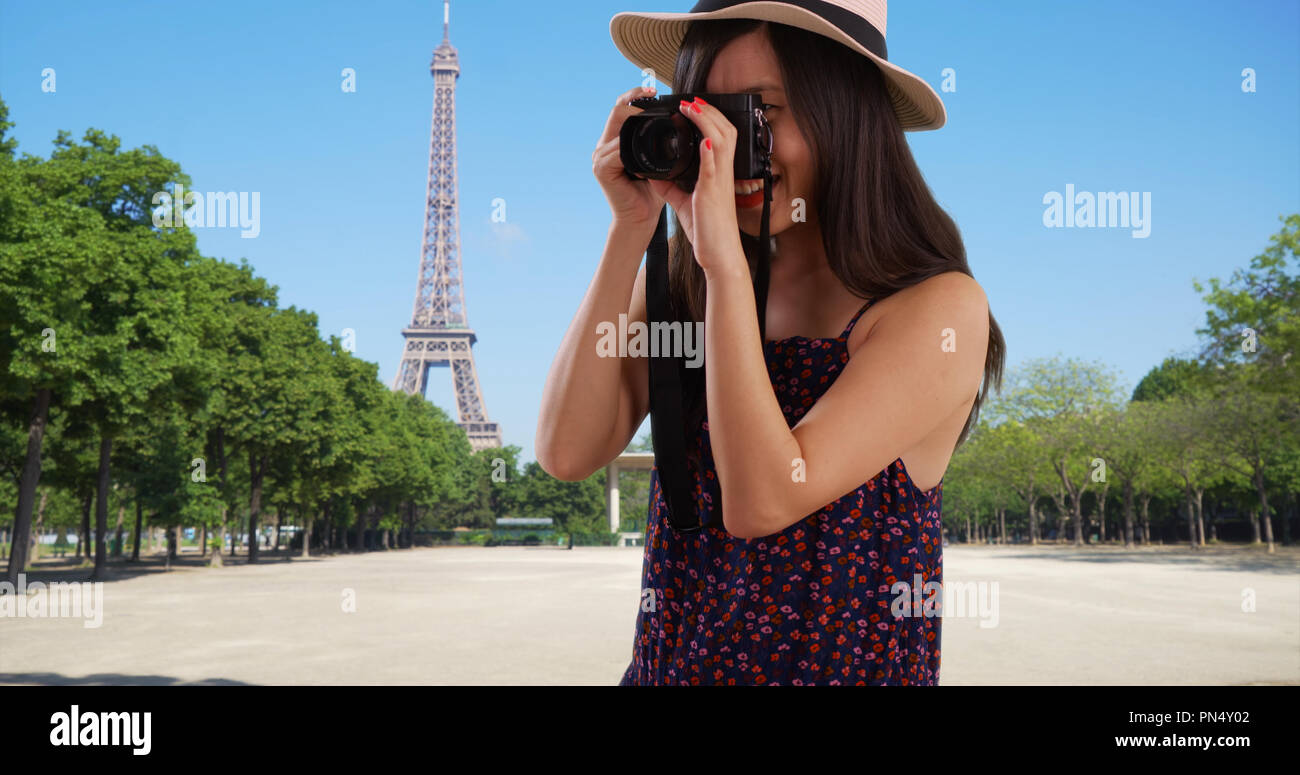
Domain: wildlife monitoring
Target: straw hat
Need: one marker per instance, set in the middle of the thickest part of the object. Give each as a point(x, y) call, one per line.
point(652, 40)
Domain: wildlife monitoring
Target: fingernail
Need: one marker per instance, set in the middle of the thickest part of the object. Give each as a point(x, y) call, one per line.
point(697, 108)
point(683, 105)
point(702, 102)
point(708, 143)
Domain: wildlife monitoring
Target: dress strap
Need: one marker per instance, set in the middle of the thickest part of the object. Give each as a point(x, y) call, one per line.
point(849, 328)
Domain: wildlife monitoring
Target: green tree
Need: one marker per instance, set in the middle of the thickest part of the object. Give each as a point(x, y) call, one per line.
point(1254, 317)
point(1173, 377)
point(275, 400)
point(1186, 450)
point(1257, 429)
point(1015, 455)
point(87, 303)
point(574, 507)
point(1125, 441)
point(223, 300)
point(1057, 399)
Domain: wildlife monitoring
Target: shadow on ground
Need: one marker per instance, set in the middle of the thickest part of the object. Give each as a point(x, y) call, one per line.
point(52, 570)
point(1251, 559)
point(108, 679)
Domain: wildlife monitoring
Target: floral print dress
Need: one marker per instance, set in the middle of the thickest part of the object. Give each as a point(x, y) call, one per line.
point(847, 595)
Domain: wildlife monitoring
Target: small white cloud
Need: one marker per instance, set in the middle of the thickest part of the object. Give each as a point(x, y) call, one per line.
point(506, 237)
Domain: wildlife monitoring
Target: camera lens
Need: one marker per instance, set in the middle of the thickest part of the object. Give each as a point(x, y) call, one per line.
point(661, 143)
point(662, 146)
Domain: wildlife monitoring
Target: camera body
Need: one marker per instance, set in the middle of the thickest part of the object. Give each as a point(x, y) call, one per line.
point(660, 143)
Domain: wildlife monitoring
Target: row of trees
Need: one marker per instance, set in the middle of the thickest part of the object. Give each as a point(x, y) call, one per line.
point(142, 375)
point(1218, 431)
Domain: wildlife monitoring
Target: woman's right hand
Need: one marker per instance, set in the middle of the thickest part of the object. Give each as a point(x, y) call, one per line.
point(631, 200)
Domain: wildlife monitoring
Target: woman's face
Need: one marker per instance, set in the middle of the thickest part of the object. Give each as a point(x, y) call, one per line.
point(748, 64)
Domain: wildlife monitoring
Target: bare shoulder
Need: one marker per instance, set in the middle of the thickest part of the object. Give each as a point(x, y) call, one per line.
point(948, 300)
point(953, 291)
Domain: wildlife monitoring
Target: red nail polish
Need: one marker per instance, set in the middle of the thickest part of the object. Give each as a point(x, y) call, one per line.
point(708, 143)
point(697, 108)
point(684, 104)
point(701, 101)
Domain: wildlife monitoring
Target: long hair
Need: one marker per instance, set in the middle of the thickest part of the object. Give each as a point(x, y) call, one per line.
point(881, 227)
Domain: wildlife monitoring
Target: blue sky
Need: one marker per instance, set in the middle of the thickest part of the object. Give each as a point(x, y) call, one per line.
point(1107, 96)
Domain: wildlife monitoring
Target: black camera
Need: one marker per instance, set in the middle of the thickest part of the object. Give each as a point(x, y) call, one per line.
point(663, 144)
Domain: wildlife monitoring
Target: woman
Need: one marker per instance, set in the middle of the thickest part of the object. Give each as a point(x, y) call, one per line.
point(823, 446)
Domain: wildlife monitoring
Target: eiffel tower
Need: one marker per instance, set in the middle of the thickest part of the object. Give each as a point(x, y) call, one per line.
point(439, 334)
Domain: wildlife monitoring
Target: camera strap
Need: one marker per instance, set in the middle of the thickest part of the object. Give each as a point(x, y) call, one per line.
point(667, 417)
point(667, 404)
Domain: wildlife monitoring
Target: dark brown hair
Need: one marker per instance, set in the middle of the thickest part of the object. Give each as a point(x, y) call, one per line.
point(881, 227)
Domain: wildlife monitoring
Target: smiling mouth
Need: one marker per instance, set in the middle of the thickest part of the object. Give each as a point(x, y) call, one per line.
point(749, 193)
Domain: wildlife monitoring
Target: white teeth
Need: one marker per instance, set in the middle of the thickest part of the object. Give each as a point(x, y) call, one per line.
point(746, 187)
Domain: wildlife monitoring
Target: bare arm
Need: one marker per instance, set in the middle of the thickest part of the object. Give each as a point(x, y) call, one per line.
point(898, 386)
point(592, 405)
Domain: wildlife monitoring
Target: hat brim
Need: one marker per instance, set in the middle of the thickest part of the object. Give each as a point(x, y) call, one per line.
point(651, 40)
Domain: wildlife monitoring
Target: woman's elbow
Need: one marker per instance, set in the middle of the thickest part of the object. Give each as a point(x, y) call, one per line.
point(549, 455)
point(753, 519)
point(565, 472)
point(562, 465)
point(746, 520)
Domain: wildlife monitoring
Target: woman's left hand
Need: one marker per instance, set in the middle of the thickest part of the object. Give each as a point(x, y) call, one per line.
point(708, 216)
